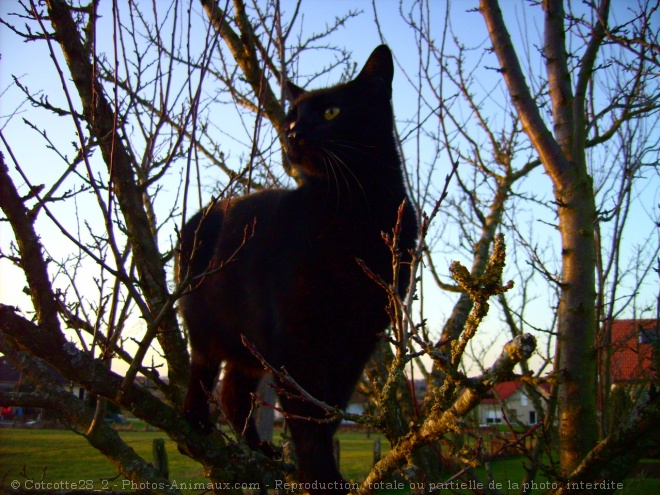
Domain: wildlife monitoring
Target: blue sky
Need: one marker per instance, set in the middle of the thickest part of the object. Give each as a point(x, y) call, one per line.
point(31, 63)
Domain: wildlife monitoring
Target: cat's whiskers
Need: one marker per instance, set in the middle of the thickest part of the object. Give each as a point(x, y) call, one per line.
point(368, 152)
point(342, 167)
point(334, 159)
point(363, 149)
point(327, 163)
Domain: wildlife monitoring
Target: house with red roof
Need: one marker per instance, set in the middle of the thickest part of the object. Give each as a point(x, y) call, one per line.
point(512, 399)
point(631, 363)
point(631, 359)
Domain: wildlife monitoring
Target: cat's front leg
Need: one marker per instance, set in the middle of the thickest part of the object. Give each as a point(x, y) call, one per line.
point(203, 373)
point(317, 468)
point(238, 385)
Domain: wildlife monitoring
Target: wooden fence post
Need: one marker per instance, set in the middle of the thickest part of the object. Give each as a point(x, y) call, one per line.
point(265, 416)
point(160, 457)
point(376, 450)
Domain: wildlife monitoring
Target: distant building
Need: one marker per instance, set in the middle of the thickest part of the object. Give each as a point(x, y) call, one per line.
point(10, 377)
point(631, 360)
point(510, 398)
point(13, 380)
point(10, 380)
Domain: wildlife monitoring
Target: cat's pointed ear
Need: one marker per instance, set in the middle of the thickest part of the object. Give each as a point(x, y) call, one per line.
point(294, 92)
point(379, 70)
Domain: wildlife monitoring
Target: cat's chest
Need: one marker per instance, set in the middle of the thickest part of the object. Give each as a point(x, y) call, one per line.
point(359, 235)
point(331, 254)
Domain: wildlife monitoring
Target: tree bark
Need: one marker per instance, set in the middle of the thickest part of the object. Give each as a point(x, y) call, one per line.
point(31, 257)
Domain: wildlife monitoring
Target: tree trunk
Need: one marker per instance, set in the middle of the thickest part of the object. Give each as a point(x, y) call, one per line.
point(577, 327)
point(563, 157)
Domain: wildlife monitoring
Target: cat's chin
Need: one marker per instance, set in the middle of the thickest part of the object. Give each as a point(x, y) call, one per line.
point(305, 163)
point(296, 155)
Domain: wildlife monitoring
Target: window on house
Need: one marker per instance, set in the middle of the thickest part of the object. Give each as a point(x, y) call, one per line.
point(532, 417)
point(493, 417)
point(648, 335)
point(524, 401)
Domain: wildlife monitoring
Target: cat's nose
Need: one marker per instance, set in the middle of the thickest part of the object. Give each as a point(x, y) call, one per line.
point(294, 134)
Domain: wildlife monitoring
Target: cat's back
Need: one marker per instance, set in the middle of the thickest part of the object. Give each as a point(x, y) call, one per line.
point(218, 234)
point(247, 252)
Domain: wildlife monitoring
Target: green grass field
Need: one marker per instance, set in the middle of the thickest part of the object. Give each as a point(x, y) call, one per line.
point(61, 456)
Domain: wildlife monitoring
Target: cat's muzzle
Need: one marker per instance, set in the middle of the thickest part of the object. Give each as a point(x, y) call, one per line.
point(294, 136)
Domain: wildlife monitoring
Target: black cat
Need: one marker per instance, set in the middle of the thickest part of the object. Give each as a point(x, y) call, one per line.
point(293, 286)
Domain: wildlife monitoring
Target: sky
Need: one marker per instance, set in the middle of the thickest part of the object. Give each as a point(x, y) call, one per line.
point(32, 65)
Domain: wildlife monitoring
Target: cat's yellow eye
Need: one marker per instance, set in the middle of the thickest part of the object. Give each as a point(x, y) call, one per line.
point(330, 113)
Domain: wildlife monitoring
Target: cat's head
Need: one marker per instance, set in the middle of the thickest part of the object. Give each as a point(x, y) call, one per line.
point(347, 125)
